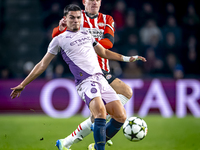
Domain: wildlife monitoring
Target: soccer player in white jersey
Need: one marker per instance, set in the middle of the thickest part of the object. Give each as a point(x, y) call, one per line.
point(101, 26)
point(79, 50)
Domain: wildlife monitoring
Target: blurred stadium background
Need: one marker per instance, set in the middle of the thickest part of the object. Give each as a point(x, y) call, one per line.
point(165, 32)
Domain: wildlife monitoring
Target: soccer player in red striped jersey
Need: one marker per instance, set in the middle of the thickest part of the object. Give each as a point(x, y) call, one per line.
point(101, 26)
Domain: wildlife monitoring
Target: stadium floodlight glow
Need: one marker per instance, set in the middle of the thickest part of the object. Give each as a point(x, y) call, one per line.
point(46, 98)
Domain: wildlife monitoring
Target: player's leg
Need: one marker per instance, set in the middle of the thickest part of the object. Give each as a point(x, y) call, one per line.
point(83, 129)
point(123, 90)
point(98, 110)
point(115, 108)
point(117, 111)
point(118, 114)
point(77, 135)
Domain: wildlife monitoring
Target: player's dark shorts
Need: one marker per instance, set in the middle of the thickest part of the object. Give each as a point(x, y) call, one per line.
point(109, 77)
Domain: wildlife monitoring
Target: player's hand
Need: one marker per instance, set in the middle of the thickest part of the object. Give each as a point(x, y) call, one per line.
point(62, 24)
point(16, 91)
point(132, 59)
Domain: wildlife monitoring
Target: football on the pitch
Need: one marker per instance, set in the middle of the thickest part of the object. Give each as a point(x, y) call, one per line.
point(135, 129)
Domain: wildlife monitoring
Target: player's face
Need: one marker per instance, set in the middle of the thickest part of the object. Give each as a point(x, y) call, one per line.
point(73, 20)
point(92, 6)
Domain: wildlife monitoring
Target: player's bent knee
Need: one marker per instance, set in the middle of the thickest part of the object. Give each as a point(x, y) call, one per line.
point(121, 117)
point(121, 88)
point(100, 114)
point(129, 92)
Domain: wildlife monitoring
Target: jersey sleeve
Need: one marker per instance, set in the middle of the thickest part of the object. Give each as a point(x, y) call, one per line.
point(108, 37)
point(53, 47)
point(56, 31)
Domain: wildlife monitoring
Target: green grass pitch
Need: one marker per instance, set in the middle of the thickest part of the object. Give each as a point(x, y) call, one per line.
point(40, 132)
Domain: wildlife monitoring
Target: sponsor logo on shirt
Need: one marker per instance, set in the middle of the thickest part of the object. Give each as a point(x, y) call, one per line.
point(96, 33)
point(81, 41)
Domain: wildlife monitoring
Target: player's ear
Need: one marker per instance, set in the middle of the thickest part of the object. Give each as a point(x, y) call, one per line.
point(83, 1)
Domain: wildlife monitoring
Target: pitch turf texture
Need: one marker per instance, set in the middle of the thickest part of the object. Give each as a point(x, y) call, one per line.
point(40, 132)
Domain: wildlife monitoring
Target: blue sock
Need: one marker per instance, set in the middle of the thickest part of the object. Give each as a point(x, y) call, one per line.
point(112, 127)
point(100, 133)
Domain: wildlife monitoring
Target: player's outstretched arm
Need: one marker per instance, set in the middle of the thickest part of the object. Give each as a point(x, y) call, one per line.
point(105, 53)
point(37, 71)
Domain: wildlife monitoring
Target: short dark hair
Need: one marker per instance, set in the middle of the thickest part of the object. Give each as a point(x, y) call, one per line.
point(71, 7)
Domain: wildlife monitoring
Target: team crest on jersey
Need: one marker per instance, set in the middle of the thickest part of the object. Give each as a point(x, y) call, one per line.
point(101, 24)
point(93, 90)
point(109, 76)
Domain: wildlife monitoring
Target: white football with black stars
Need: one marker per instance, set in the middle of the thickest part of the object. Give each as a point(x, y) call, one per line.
point(135, 129)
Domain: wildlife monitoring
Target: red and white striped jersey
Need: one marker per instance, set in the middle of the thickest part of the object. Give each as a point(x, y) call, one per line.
point(102, 29)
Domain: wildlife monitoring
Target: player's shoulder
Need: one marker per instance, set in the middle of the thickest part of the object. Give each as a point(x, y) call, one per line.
point(108, 17)
point(61, 35)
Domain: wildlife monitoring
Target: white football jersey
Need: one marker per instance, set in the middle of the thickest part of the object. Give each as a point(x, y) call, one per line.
point(78, 52)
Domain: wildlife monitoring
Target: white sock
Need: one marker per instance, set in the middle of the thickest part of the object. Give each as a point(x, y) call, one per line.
point(82, 131)
point(123, 99)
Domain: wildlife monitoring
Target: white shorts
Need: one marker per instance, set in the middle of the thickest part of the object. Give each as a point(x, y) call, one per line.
point(96, 86)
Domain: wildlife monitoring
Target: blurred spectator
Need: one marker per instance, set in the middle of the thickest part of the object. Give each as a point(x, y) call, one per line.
point(171, 26)
point(178, 72)
point(5, 73)
point(28, 66)
point(130, 26)
point(191, 17)
point(169, 11)
point(191, 23)
point(117, 42)
point(118, 14)
point(139, 29)
point(146, 13)
point(49, 72)
point(190, 56)
point(149, 31)
point(47, 39)
point(170, 45)
point(154, 65)
point(173, 67)
point(59, 71)
point(53, 15)
point(132, 43)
